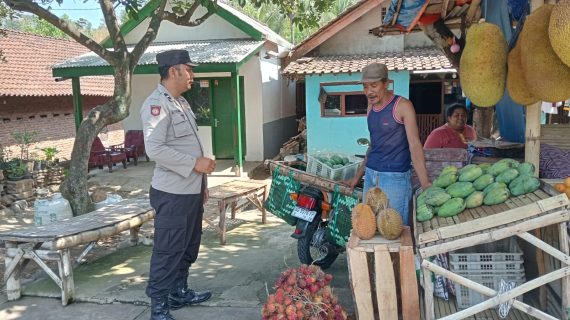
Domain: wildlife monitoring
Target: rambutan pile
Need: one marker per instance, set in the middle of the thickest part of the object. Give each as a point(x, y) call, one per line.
point(303, 293)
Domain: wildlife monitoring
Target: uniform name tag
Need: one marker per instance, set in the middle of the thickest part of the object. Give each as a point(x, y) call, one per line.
point(155, 110)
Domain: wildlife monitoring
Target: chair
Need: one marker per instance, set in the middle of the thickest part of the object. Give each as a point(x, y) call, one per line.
point(99, 156)
point(133, 145)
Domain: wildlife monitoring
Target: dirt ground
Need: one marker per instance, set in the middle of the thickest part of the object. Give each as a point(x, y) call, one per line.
point(32, 272)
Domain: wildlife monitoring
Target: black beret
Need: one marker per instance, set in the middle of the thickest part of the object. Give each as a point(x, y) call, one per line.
point(174, 57)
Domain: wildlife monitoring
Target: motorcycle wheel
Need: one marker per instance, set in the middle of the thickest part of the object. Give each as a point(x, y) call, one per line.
point(323, 255)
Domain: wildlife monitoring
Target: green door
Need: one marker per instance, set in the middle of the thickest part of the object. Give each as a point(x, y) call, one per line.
point(222, 126)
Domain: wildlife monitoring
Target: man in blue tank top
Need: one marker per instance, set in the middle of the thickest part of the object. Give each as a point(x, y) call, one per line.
point(394, 143)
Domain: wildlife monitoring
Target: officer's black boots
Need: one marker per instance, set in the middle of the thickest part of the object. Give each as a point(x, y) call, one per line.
point(159, 309)
point(181, 296)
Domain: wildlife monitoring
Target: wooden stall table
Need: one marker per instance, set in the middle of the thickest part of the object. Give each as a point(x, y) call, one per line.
point(229, 194)
point(393, 273)
point(516, 217)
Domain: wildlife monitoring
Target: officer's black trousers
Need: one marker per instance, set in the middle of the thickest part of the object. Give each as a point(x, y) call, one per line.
point(177, 235)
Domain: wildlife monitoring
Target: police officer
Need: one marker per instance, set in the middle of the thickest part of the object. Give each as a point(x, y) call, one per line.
point(179, 187)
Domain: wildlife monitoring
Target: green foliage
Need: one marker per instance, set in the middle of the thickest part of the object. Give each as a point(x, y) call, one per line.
point(16, 168)
point(50, 153)
point(24, 139)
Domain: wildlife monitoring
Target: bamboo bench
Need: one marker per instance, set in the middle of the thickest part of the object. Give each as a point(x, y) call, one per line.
point(53, 242)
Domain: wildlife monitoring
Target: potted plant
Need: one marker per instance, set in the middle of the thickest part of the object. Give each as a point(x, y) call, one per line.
point(16, 170)
point(49, 154)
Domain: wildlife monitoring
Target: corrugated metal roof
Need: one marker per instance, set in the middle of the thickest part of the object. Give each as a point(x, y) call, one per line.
point(202, 51)
point(411, 59)
point(27, 69)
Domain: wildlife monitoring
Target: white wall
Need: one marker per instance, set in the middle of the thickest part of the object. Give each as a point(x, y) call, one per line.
point(213, 28)
point(355, 39)
point(253, 109)
point(143, 85)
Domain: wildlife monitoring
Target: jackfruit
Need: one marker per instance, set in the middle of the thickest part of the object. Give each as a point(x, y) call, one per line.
point(389, 223)
point(559, 31)
point(546, 76)
point(483, 64)
point(363, 221)
point(516, 82)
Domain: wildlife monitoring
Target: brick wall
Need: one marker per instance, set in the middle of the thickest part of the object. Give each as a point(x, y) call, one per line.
point(53, 120)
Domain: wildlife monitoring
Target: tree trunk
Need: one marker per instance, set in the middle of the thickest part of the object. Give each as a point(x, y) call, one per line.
point(483, 121)
point(75, 188)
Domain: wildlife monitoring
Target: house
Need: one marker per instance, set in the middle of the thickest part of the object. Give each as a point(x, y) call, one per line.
point(31, 100)
point(239, 69)
point(328, 65)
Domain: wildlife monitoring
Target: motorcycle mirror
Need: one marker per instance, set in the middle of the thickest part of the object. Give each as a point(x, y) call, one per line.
point(363, 141)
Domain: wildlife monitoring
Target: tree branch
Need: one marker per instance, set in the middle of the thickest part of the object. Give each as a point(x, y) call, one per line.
point(186, 19)
point(149, 36)
point(114, 30)
point(67, 28)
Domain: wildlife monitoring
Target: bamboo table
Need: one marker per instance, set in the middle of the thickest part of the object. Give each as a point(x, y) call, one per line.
point(229, 194)
point(516, 217)
point(52, 242)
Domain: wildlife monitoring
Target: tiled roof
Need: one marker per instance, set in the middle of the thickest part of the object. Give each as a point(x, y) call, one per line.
point(202, 51)
point(411, 59)
point(27, 69)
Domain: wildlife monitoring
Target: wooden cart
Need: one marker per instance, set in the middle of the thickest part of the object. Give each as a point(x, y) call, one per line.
point(518, 216)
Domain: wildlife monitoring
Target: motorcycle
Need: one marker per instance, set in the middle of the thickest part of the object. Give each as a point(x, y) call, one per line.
point(313, 244)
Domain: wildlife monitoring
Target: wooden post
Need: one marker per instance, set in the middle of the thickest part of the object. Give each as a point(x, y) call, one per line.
point(360, 283)
point(238, 143)
point(222, 208)
point(386, 284)
point(563, 240)
point(408, 284)
point(532, 134)
point(13, 289)
point(134, 232)
point(428, 295)
point(66, 276)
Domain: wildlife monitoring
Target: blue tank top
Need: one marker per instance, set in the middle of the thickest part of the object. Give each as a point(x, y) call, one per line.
point(389, 149)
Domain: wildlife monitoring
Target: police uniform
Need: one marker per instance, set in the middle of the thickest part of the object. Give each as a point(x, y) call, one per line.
point(176, 194)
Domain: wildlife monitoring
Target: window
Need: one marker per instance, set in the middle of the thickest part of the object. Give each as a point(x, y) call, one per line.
point(199, 98)
point(344, 99)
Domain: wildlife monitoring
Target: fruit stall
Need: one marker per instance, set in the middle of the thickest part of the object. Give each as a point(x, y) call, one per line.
point(463, 218)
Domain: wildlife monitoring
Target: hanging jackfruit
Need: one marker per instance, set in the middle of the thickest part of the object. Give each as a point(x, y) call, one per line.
point(546, 76)
point(483, 64)
point(516, 82)
point(559, 31)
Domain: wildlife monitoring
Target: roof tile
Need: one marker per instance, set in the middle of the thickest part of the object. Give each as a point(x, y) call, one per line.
point(27, 67)
point(411, 59)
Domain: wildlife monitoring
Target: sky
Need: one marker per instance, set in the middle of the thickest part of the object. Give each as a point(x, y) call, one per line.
point(77, 9)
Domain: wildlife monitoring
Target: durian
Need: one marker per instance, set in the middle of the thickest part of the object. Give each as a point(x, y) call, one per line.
point(376, 199)
point(389, 223)
point(363, 221)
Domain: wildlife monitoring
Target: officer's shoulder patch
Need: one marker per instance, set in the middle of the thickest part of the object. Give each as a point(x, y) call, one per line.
point(155, 110)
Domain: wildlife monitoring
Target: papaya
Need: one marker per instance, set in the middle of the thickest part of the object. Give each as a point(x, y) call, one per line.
point(493, 186)
point(470, 174)
point(424, 212)
point(448, 169)
point(451, 207)
point(526, 168)
point(445, 180)
point(485, 167)
point(496, 196)
point(507, 176)
point(437, 198)
point(460, 189)
point(514, 163)
point(483, 181)
point(524, 184)
point(498, 167)
point(421, 199)
point(475, 199)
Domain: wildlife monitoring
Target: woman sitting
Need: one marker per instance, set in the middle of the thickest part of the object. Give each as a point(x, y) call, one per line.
point(455, 133)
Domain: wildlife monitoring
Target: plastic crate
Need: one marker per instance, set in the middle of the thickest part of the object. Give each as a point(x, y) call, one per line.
point(315, 166)
point(503, 251)
point(466, 297)
point(483, 266)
